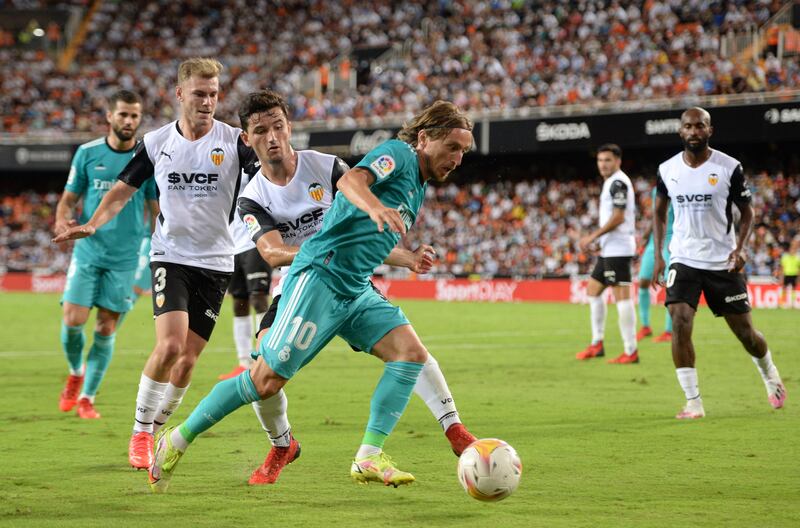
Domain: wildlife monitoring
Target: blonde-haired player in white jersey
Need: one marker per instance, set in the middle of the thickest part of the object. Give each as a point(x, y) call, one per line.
point(617, 240)
point(707, 254)
point(197, 163)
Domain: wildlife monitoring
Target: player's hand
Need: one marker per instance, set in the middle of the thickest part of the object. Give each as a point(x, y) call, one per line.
point(388, 216)
point(424, 256)
point(658, 271)
point(585, 242)
point(736, 261)
point(74, 233)
point(63, 225)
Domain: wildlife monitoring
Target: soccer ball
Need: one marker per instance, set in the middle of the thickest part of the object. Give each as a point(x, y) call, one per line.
point(489, 470)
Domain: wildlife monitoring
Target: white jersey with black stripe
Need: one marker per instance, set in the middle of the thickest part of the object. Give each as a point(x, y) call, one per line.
point(198, 183)
point(703, 236)
point(617, 193)
point(296, 209)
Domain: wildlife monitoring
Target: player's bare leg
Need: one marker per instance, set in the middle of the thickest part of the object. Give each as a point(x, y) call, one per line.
point(755, 344)
point(683, 356)
point(597, 311)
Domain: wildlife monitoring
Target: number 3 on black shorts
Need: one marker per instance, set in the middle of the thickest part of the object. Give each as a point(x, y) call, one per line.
point(159, 279)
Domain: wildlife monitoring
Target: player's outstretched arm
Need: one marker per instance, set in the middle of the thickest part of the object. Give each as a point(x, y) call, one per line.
point(111, 204)
point(64, 211)
point(355, 186)
point(272, 249)
point(419, 261)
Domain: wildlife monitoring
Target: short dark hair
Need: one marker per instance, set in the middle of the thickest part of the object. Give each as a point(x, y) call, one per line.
point(126, 96)
point(257, 102)
point(612, 148)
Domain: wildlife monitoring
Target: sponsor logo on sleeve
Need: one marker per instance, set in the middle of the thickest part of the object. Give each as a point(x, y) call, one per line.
point(217, 156)
point(252, 224)
point(316, 191)
point(383, 166)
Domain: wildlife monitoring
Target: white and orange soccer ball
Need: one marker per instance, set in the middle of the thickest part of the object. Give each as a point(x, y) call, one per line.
point(489, 470)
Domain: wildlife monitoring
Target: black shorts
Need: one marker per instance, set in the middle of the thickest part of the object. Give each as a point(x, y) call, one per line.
point(251, 274)
point(790, 280)
point(725, 292)
point(611, 271)
point(196, 291)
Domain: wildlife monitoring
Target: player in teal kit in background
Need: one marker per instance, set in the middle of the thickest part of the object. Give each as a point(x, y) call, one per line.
point(646, 278)
point(101, 272)
point(327, 293)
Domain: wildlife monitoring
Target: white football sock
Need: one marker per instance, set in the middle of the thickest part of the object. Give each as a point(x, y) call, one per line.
point(432, 388)
point(766, 367)
point(147, 399)
point(597, 308)
point(687, 377)
point(243, 338)
point(366, 450)
point(178, 441)
point(627, 325)
point(274, 420)
point(169, 404)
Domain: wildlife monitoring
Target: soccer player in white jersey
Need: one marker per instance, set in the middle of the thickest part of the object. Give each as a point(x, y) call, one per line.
point(283, 206)
point(707, 254)
point(197, 163)
point(249, 289)
point(617, 240)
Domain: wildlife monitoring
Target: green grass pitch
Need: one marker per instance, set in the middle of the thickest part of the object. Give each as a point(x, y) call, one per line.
point(599, 443)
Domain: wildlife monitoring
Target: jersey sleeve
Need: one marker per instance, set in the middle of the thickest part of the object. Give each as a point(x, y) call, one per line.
point(619, 194)
point(338, 170)
point(77, 179)
point(740, 191)
point(661, 188)
point(139, 169)
point(247, 157)
point(388, 160)
point(257, 220)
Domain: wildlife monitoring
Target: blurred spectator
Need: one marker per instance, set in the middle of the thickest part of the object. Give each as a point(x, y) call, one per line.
point(503, 54)
point(504, 229)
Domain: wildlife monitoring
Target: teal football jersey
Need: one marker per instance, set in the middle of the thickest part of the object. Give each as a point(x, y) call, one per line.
point(348, 248)
point(94, 171)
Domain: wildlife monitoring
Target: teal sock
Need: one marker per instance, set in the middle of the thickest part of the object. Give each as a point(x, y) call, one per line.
point(224, 398)
point(97, 362)
point(72, 341)
point(644, 306)
point(668, 322)
point(390, 400)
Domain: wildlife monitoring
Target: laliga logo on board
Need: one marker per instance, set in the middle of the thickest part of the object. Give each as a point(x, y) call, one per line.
point(316, 191)
point(713, 179)
point(217, 156)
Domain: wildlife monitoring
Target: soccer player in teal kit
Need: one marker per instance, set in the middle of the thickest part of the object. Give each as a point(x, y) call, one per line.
point(327, 293)
point(101, 273)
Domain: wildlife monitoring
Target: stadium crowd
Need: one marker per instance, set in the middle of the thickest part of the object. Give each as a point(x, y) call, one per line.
point(509, 229)
point(498, 54)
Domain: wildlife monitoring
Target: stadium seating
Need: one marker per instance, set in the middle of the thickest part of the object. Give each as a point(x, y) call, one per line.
point(503, 54)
